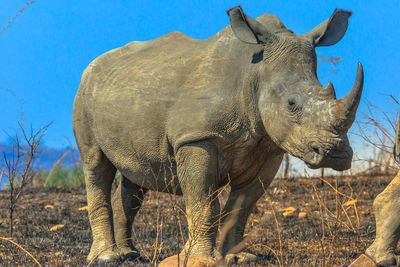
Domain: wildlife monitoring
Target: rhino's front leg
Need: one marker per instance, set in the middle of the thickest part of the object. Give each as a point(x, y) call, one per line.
point(126, 203)
point(197, 174)
point(387, 217)
point(241, 201)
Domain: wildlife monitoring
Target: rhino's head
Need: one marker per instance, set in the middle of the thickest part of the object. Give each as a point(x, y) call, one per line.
point(300, 115)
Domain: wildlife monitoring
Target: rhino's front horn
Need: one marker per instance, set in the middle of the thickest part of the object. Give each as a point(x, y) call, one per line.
point(347, 106)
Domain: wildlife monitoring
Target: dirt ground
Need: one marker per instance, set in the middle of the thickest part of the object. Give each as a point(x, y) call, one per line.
point(328, 227)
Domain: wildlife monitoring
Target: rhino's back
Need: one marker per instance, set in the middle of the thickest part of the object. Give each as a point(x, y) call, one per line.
point(167, 65)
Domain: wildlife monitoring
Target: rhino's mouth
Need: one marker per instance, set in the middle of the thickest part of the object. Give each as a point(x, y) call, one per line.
point(338, 160)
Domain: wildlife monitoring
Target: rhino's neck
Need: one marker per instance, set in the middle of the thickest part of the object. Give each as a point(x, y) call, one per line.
point(248, 101)
point(249, 91)
point(243, 63)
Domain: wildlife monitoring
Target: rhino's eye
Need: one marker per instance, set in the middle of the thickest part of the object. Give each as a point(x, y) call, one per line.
point(294, 108)
point(291, 103)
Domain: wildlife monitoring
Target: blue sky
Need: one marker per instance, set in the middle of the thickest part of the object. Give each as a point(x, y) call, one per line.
point(45, 50)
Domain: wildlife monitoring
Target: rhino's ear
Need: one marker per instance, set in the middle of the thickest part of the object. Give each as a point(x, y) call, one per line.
point(331, 30)
point(248, 29)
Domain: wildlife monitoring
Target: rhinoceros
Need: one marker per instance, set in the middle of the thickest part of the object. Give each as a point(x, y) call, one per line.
point(387, 217)
point(188, 116)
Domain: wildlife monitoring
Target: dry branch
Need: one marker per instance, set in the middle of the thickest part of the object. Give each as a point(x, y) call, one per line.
point(19, 168)
point(19, 12)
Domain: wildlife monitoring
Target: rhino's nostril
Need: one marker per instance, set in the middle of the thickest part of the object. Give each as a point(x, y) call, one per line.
point(315, 149)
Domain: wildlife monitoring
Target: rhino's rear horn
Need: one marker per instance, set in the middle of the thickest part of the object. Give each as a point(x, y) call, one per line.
point(347, 106)
point(328, 91)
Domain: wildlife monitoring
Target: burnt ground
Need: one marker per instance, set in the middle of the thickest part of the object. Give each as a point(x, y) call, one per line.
point(333, 233)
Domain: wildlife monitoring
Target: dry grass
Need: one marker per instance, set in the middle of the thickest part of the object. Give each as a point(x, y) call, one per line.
point(20, 247)
point(339, 224)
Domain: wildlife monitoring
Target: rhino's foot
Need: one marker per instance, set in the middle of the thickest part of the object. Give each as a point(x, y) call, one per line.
point(104, 258)
point(198, 249)
point(382, 257)
point(240, 258)
point(129, 254)
point(102, 254)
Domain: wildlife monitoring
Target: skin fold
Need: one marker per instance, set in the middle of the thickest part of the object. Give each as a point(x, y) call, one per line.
point(188, 116)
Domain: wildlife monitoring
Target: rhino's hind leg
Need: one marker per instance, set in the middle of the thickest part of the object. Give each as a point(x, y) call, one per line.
point(236, 212)
point(99, 175)
point(387, 217)
point(238, 208)
point(126, 203)
point(197, 174)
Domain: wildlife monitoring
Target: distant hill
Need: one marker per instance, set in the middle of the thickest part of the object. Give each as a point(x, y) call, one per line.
point(44, 159)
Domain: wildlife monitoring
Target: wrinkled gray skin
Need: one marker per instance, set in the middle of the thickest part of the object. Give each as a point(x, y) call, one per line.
point(188, 116)
point(387, 217)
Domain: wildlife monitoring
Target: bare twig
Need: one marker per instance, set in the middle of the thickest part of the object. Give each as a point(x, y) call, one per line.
point(8, 24)
point(383, 126)
point(19, 168)
point(1, 174)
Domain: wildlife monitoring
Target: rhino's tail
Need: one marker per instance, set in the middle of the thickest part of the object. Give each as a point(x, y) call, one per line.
point(396, 150)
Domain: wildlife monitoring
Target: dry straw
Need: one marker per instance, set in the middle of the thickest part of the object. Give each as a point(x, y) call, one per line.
point(20, 247)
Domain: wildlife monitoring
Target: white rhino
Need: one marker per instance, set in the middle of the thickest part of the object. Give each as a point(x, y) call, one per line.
point(187, 116)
